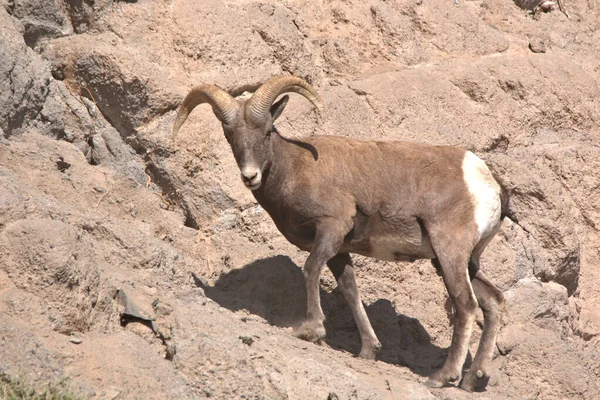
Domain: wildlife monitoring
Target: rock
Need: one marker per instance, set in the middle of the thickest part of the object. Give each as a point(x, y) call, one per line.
point(86, 16)
point(509, 337)
point(588, 326)
point(528, 4)
point(112, 80)
point(25, 79)
point(133, 307)
point(23, 355)
point(247, 340)
point(547, 212)
point(276, 27)
point(543, 304)
point(537, 46)
point(42, 19)
point(547, 6)
point(65, 117)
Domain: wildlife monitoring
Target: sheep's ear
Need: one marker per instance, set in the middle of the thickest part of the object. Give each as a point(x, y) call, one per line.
point(278, 106)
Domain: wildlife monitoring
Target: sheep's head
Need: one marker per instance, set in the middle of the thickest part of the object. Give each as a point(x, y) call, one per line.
point(248, 123)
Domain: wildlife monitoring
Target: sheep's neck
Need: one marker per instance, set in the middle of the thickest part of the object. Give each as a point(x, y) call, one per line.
point(274, 176)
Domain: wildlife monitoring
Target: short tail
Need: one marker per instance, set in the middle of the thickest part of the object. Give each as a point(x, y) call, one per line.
point(505, 210)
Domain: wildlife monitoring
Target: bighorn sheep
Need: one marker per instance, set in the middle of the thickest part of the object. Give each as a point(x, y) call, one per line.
point(391, 200)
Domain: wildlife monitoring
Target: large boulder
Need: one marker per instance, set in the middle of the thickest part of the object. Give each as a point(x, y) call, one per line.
point(41, 19)
point(25, 79)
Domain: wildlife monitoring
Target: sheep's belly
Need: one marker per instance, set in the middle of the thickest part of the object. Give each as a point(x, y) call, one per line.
point(391, 248)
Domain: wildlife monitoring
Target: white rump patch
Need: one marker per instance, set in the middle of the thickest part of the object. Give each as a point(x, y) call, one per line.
point(485, 192)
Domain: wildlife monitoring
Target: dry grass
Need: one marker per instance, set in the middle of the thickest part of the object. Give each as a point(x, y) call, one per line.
point(18, 389)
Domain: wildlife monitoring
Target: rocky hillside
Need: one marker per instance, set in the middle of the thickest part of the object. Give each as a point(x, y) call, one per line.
point(136, 267)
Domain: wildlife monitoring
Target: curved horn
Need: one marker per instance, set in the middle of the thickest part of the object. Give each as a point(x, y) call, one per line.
point(262, 100)
point(224, 106)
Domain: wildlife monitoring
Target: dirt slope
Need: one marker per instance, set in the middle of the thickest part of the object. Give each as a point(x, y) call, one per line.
point(140, 268)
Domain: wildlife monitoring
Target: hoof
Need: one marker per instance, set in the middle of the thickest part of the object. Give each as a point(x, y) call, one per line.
point(311, 332)
point(441, 378)
point(368, 352)
point(467, 385)
point(472, 379)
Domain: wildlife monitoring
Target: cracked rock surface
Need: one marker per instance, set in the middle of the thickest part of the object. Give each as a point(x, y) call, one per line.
point(141, 268)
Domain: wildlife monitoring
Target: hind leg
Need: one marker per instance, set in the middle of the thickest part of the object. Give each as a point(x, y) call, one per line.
point(453, 261)
point(491, 302)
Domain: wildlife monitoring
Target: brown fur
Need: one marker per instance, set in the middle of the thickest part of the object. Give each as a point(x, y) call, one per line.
point(348, 180)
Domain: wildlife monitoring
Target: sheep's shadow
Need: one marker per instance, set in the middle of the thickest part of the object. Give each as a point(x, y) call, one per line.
point(273, 288)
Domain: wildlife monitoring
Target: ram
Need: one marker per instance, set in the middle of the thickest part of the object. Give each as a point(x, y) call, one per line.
point(391, 200)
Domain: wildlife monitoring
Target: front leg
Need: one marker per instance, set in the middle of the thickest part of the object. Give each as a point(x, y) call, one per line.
point(328, 239)
point(341, 266)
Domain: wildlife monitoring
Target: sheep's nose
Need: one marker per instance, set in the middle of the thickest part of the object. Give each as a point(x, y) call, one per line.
point(251, 178)
point(249, 175)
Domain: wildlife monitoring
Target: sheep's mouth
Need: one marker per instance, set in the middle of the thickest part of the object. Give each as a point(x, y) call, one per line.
point(253, 186)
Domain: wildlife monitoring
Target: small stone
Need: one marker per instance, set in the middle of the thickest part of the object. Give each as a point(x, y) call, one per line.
point(247, 340)
point(547, 6)
point(99, 189)
point(537, 46)
point(111, 393)
point(75, 340)
point(62, 165)
point(509, 337)
point(170, 352)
